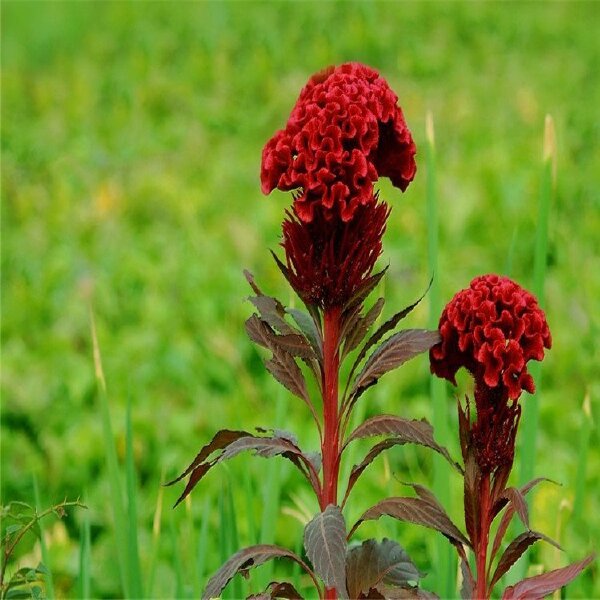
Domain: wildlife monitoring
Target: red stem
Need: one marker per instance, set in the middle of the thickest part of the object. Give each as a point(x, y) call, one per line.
point(331, 442)
point(483, 538)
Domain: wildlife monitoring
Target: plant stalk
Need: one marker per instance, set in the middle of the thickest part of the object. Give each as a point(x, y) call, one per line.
point(330, 444)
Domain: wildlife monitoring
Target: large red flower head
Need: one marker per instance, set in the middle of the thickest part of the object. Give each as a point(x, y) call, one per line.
point(344, 132)
point(493, 329)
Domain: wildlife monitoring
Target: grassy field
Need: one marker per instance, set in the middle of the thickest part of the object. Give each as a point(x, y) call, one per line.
point(131, 144)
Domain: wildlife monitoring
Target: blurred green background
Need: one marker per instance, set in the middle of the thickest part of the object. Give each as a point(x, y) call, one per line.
point(131, 144)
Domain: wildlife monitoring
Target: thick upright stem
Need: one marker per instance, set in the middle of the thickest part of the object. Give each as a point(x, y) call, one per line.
point(483, 537)
point(331, 430)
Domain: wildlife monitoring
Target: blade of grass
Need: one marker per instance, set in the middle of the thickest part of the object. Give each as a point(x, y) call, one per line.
point(530, 418)
point(249, 493)
point(511, 252)
point(48, 579)
point(156, 537)
point(176, 559)
point(234, 542)
point(271, 495)
point(445, 559)
point(133, 556)
point(202, 541)
point(85, 557)
point(110, 453)
point(225, 533)
point(584, 443)
point(190, 547)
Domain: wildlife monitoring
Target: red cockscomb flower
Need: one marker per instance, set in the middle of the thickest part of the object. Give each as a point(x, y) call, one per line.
point(493, 329)
point(344, 132)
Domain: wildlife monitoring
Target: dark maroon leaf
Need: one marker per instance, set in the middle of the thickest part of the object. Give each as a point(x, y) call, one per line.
point(283, 590)
point(241, 441)
point(197, 474)
point(284, 270)
point(415, 510)
point(388, 326)
point(263, 446)
point(308, 327)
point(348, 322)
point(220, 440)
point(508, 514)
point(296, 345)
point(245, 559)
point(535, 588)
point(517, 500)
point(373, 563)
point(515, 550)
point(274, 446)
point(470, 491)
point(271, 310)
point(467, 588)
point(408, 431)
point(325, 544)
point(261, 333)
point(394, 352)
point(358, 328)
point(398, 593)
point(464, 428)
point(375, 451)
point(284, 369)
point(277, 590)
point(365, 289)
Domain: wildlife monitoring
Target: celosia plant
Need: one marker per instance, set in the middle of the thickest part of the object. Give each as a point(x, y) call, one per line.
point(493, 329)
point(344, 133)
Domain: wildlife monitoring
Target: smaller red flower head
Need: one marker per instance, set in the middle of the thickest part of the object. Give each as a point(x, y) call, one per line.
point(344, 132)
point(493, 329)
point(328, 261)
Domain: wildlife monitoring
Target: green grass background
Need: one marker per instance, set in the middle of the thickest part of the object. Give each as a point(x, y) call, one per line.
point(131, 144)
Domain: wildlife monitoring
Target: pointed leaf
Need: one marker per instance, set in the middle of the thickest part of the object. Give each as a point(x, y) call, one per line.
point(388, 326)
point(535, 588)
point(284, 270)
point(398, 593)
point(274, 446)
point(415, 510)
point(516, 498)
point(283, 590)
point(365, 289)
point(325, 544)
point(395, 351)
point(197, 474)
point(409, 431)
point(515, 550)
point(271, 310)
point(467, 587)
point(470, 491)
point(359, 327)
point(285, 370)
point(464, 427)
point(374, 562)
point(508, 514)
point(275, 589)
point(220, 440)
point(375, 451)
point(245, 559)
point(264, 446)
point(308, 327)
